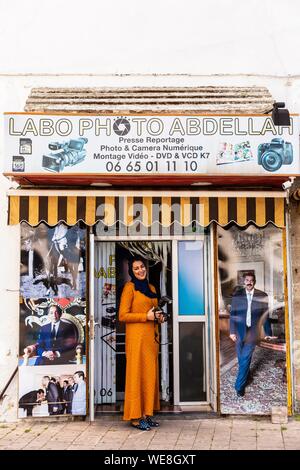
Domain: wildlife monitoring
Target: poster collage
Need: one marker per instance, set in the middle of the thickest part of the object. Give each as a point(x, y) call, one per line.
point(52, 343)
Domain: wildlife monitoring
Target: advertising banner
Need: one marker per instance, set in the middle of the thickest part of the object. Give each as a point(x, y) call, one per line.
point(141, 145)
point(52, 340)
point(252, 310)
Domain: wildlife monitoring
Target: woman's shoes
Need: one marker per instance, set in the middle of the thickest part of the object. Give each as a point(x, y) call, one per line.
point(145, 424)
point(142, 425)
point(151, 422)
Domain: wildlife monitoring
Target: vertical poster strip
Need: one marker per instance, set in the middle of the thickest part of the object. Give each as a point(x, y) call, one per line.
point(52, 344)
point(217, 284)
point(287, 329)
point(106, 317)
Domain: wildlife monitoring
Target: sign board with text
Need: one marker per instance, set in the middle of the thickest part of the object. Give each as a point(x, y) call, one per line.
point(141, 145)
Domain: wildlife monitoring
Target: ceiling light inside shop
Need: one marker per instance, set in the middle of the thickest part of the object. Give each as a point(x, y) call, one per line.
point(201, 183)
point(100, 184)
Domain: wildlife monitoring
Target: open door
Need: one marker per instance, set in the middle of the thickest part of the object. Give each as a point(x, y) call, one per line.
point(91, 330)
point(110, 273)
point(105, 301)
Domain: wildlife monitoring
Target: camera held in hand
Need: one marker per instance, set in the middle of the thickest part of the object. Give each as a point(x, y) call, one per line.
point(164, 300)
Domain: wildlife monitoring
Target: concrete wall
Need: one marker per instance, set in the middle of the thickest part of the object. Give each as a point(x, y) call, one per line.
point(164, 37)
point(295, 268)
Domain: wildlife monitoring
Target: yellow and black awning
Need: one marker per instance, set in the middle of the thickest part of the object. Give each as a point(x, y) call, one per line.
point(148, 209)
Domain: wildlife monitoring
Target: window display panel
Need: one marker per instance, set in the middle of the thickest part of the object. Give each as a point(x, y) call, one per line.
point(191, 278)
point(251, 319)
point(192, 361)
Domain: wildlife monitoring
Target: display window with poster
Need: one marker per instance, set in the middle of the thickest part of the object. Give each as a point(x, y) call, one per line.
point(252, 319)
point(52, 341)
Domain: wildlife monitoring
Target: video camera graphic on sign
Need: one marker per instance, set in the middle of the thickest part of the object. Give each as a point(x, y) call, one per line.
point(65, 154)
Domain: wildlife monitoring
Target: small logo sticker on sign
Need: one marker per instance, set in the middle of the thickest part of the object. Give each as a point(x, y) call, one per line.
point(18, 163)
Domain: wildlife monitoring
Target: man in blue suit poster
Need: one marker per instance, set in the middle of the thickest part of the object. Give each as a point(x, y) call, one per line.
point(249, 310)
point(57, 340)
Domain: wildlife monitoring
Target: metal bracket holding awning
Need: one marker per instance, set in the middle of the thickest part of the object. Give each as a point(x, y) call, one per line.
point(146, 208)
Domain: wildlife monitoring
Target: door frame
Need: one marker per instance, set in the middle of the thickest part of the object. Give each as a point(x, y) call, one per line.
point(91, 328)
point(208, 319)
point(208, 298)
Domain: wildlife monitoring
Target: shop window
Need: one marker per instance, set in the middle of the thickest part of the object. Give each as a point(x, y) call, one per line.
point(192, 362)
point(191, 278)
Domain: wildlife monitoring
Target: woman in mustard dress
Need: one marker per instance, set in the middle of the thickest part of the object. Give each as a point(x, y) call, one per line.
point(137, 305)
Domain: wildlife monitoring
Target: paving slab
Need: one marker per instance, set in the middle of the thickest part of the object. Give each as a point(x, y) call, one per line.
point(179, 434)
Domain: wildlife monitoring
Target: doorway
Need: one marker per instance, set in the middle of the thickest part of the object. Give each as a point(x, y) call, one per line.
point(111, 274)
point(182, 269)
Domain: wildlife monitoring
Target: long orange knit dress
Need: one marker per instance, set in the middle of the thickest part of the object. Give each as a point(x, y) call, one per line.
point(141, 388)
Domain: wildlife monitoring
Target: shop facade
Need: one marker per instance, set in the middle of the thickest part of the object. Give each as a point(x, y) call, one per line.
point(199, 244)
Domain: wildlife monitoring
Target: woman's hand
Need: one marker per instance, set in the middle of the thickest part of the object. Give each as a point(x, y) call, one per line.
point(159, 317)
point(151, 314)
point(155, 315)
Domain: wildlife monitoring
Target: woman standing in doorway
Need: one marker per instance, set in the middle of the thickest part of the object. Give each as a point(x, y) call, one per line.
point(137, 310)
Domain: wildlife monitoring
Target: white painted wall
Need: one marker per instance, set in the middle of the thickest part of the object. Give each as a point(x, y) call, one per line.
point(133, 43)
point(162, 36)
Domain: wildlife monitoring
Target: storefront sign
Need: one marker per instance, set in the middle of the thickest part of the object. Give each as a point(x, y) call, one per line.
point(139, 145)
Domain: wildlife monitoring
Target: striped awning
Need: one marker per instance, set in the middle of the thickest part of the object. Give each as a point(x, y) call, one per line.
point(165, 211)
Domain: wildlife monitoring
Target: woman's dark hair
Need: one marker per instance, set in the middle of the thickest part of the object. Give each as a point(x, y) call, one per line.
point(134, 259)
point(140, 285)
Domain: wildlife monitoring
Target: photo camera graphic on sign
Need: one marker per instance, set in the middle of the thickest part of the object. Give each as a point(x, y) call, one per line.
point(64, 154)
point(274, 154)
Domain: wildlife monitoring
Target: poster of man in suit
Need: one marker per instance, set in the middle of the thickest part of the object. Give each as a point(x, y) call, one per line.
point(57, 339)
point(249, 306)
point(52, 390)
point(31, 399)
point(251, 320)
point(52, 331)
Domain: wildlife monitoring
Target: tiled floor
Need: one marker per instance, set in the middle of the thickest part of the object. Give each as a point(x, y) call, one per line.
point(176, 434)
